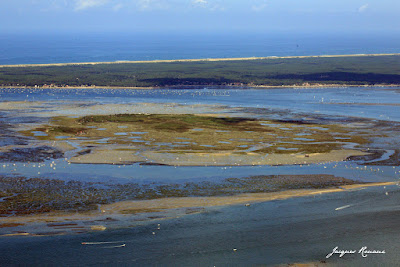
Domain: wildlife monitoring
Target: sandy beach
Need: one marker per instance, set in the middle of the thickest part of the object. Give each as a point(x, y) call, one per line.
point(194, 60)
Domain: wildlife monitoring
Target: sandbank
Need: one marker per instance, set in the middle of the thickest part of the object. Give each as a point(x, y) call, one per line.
point(108, 156)
point(236, 159)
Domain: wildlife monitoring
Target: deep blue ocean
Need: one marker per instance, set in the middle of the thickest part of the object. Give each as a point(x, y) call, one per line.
point(80, 47)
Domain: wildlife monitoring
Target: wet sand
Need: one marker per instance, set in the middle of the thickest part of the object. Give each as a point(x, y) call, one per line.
point(109, 156)
point(246, 142)
point(248, 159)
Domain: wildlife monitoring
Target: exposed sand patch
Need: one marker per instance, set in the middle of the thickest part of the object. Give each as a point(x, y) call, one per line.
point(63, 146)
point(108, 156)
point(240, 159)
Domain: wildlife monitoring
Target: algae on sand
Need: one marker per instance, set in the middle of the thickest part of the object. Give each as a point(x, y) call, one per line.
point(209, 140)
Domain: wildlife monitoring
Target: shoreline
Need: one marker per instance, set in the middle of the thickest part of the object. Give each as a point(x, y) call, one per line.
point(192, 60)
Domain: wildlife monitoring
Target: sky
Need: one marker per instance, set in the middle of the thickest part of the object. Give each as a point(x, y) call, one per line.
point(199, 16)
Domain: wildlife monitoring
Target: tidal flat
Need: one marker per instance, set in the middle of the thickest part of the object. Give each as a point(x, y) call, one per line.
point(209, 139)
point(38, 207)
point(219, 137)
point(98, 161)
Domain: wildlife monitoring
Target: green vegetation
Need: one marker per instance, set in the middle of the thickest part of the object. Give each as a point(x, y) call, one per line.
point(183, 133)
point(178, 123)
point(273, 71)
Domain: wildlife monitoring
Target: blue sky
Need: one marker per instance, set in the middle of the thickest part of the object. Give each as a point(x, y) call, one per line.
point(199, 15)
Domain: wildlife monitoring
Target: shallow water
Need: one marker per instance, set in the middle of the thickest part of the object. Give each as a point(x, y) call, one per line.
point(294, 230)
point(136, 173)
point(353, 101)
point(276, 103)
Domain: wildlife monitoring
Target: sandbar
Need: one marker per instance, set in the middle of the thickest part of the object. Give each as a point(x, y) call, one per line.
point(195, 60)
point(105, 156)
point(232, 159)
point(129, 213)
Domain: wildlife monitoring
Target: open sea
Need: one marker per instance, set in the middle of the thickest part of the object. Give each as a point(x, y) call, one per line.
point(80, 47)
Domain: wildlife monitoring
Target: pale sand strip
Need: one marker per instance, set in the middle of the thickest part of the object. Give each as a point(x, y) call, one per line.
point(194, 60)
point(115, 156)
point(188, 202)
point(237, 159)
point(130, 208)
